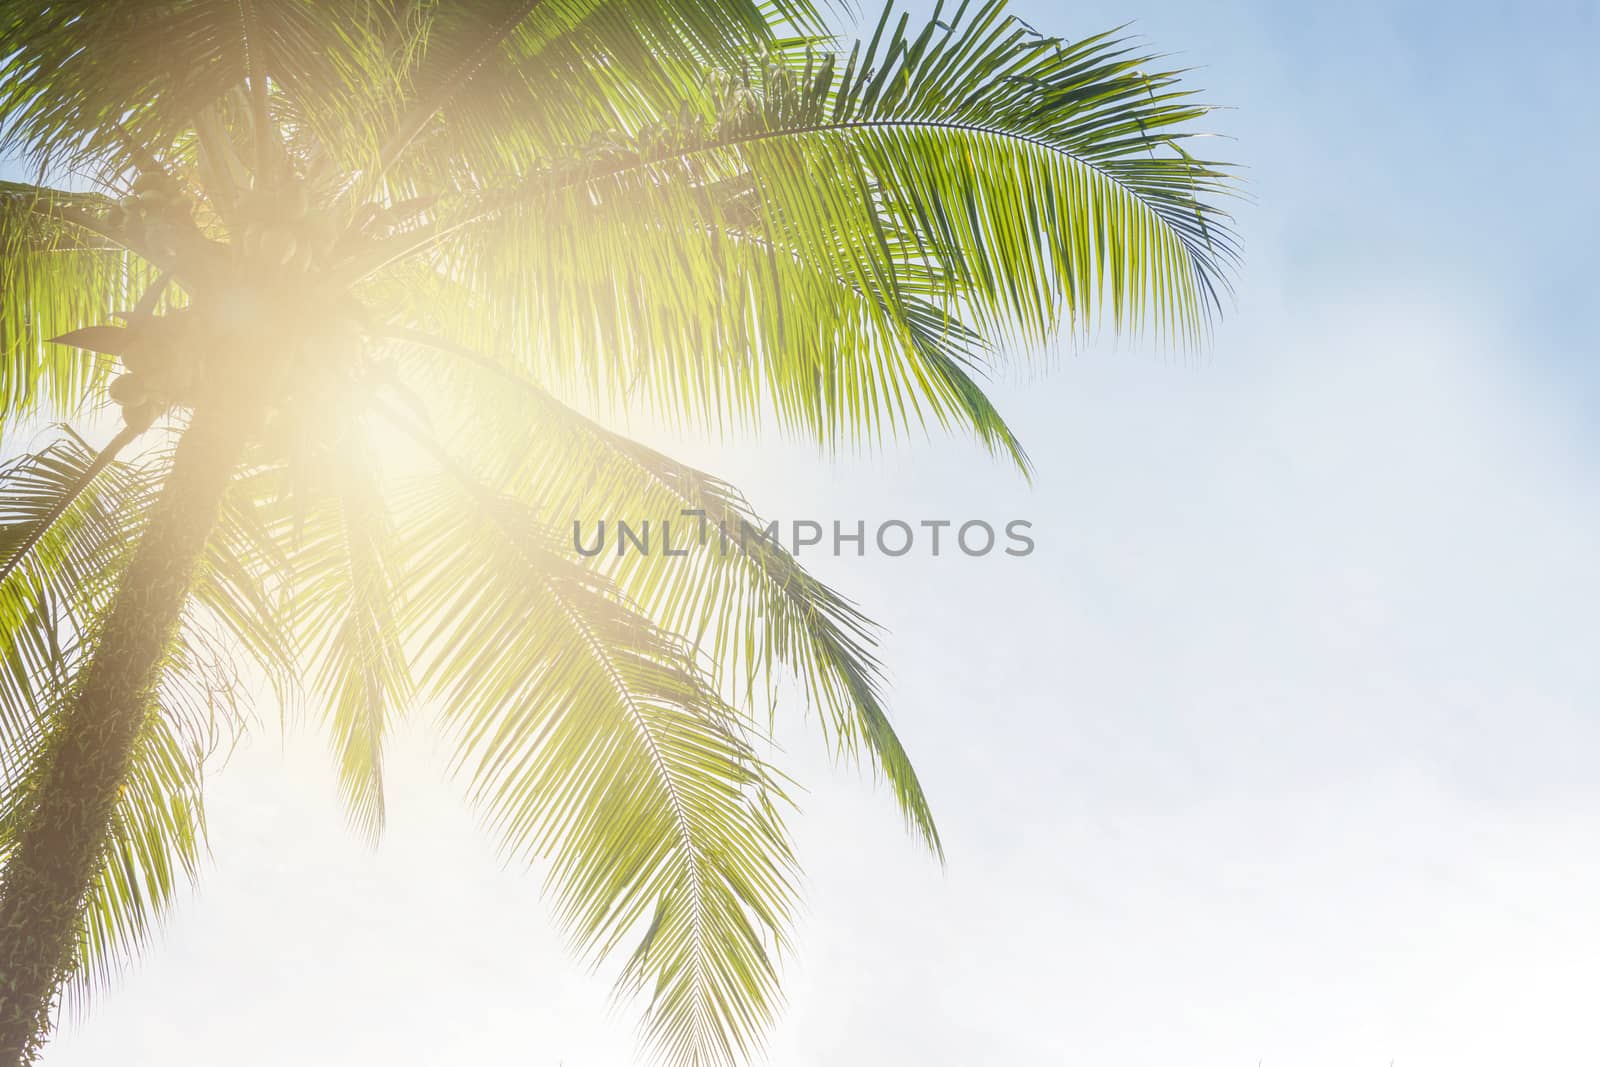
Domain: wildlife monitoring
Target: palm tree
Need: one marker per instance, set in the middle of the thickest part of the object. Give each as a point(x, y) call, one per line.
point(343, 275)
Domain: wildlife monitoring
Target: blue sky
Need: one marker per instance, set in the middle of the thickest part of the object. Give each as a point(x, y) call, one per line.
point(1281, 747)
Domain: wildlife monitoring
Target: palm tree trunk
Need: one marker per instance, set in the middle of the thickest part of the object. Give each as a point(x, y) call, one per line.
point(58, 851)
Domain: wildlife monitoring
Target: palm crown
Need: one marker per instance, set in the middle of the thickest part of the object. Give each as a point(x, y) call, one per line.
point(281, 241)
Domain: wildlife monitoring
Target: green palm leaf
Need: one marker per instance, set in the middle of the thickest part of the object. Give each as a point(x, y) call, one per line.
point(55, 277)
point(821, 217)
point(745, 601)
point(68, 522)
point(342, 562)
point(593, 741)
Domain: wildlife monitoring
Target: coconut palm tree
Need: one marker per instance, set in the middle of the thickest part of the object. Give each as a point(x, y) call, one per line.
point(339, 280)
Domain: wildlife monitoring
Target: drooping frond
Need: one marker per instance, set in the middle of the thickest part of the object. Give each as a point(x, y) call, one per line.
point(56, 276)
point(591, 739)
point(242, 584)
point(158, 835)
point(837, 358)
point(157, 832)
point(340, 572)
point(62, 535)
point(796, 236)
point(68, 524)
point(739, 595)
point(155, 843)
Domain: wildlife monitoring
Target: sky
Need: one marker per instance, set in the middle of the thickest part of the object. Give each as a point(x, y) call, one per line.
point(1280, 749)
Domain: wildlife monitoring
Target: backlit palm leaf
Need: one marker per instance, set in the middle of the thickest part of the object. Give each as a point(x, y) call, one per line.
point(744, 600)
point(804, 213)
point(341, 565)
point(592, 739)
point(65, 533)
point(55, 277)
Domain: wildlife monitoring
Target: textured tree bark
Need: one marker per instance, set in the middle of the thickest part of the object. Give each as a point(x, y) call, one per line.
point(59, 849)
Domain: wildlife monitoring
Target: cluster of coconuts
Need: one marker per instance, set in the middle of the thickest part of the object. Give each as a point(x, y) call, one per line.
point(154, 214)
point(160, 366)
point(165, 361)
point(276, 231)
point(277, 227)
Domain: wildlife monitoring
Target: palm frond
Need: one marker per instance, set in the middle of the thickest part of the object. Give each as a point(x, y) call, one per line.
point(243, 585)
point(340, 567)
point(592, 740)
point(742, 598)
point(94, 84)
point(495, 88)
point(825, 219)
point(63, 530)
point(70, 520)
point(56, 276)
point(158, 834)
